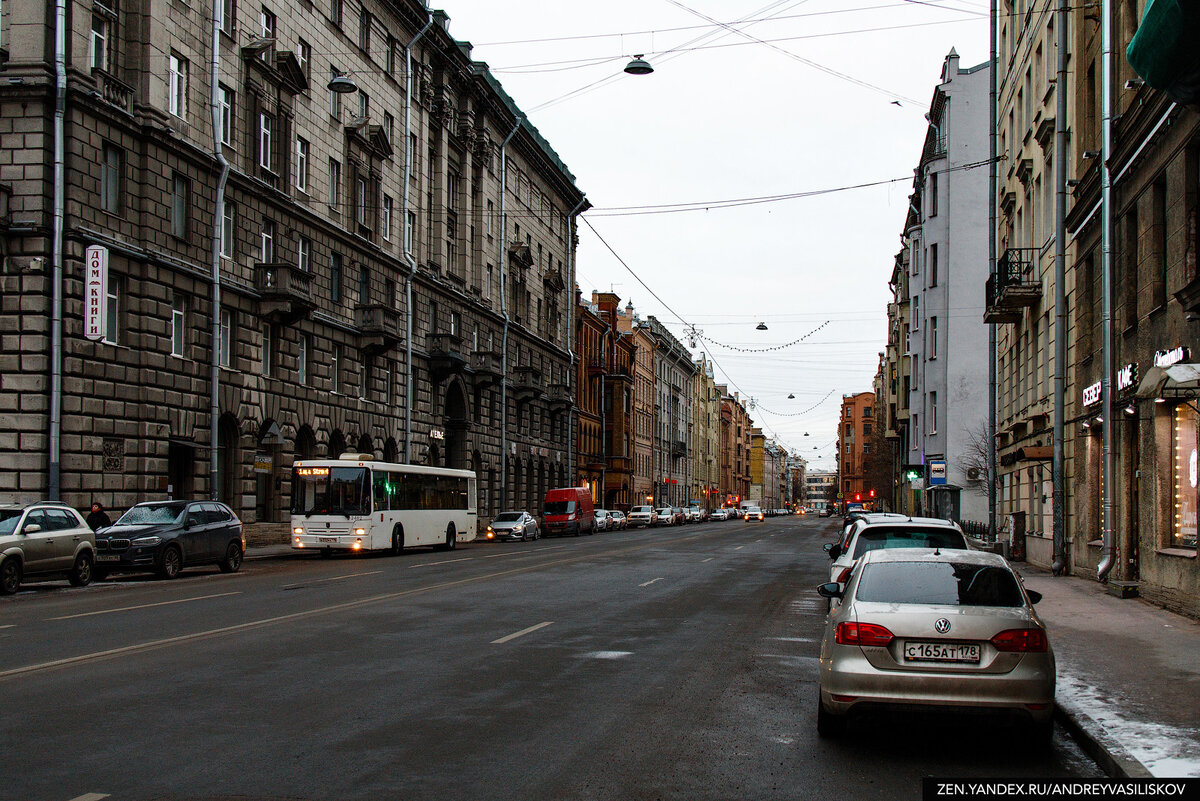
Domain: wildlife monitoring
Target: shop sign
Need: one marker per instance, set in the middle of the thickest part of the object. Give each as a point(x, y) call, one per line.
point(1165, 358)
point(95, 290)
point(437, 433)
point(1126, 377)
point(263, 462)
point(1092, 394)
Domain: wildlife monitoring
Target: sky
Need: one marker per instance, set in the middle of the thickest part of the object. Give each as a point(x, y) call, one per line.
point(810, 96)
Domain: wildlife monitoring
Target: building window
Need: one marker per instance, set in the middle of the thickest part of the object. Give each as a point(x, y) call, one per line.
point(933, 264)
point(933, 338)
point(410, 223)
point(228, 16)
point(226, 349)
point(364, 31)
point(916, 312)
point(1183, 534)
point(304, 56)
point(335, 182)
point(360, 201)
point(112, 178)
point(302, 360)
point(112, 311)
point(335, 12)
point(266, 24)
point(335, 99)
point(181, 192)
point(933, 413)
point(178, 324)
point(266, 133)
point(1159, 284)
point(101, 35)
point(364, 105)
point(386, 222)
point(335, 277)
point(301, 164)
point(933, 195)
point(268, 350)
point(335, 366)
point(267, 242)
point(226, 101)
point(489, 220)
point(389, 125)
point(177, 84)
point(390, 58)
point(303, 253)
point(228, 228)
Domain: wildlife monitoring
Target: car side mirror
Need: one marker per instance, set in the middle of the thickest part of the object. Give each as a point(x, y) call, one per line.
point(830, 590)
point(32, 528)
point(1034, 596)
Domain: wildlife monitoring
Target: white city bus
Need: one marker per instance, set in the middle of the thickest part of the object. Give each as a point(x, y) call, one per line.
point(355, 503)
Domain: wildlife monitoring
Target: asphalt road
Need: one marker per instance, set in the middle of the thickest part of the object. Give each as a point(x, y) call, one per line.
point(671, 663)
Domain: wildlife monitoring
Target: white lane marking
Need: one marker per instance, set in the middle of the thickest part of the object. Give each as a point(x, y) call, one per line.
point(524, 553)
point(443, 562)
point(793, 639)
point(759, 540)
point(331, 578)
point(740, 547)
point(709, 559)
point(651, 581)
point(144, 606)
point(90, 797)
point(521, 633)
point(607, 654)
point(8, 625)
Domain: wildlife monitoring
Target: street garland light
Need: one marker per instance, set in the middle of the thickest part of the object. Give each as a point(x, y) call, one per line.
point(342, 85)
point(639, 66)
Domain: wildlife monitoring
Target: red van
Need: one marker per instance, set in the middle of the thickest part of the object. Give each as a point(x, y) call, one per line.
point(569, 511)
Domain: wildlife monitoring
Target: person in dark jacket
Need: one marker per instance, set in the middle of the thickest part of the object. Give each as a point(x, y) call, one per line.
point(97, 519)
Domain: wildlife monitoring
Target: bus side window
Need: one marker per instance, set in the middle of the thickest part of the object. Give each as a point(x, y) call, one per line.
point(382, 480)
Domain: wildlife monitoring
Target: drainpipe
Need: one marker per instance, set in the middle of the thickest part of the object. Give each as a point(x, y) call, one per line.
point(571, 333)
point(993, 185)
point(54, 463)
point(1108, 470)
point(1058, 479)
point(409, 238)
point(504, 308)
point(214, 102)
point(603, 415)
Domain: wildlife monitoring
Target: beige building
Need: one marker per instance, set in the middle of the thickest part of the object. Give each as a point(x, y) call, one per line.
point(706, 436)
point(629, 324)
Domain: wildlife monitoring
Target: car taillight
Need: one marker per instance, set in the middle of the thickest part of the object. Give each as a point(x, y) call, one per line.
point(1021, 641)
point(844, 576)
point(865, 634)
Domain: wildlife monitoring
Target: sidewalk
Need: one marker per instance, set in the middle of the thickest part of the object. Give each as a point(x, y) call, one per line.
point(1128, 676)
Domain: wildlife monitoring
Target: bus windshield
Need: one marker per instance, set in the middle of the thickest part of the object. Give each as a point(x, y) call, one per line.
point(331, 491)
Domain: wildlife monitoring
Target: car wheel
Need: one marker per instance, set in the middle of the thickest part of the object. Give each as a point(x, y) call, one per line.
point(828, 724)
point(10, 576)
point(397, 541)
point(451, 538)
point(170, 563)
point(233, 558)
point(525, 534)
point(81, 572)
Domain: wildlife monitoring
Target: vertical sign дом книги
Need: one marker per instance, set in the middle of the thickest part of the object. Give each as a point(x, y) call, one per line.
point(95, 287)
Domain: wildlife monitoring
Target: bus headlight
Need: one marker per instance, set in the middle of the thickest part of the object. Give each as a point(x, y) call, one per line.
point(298, 530)
point(360, 532)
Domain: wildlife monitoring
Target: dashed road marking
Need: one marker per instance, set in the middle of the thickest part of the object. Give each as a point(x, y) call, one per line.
point(7, 626)
point(144, 606)
point(709, 559)
point(331, 578)
point(521, 633)
point(740, 547)
point(651, 581)
point(607, 654)
point(530, 552)
point(443, 562)
point(90, 797)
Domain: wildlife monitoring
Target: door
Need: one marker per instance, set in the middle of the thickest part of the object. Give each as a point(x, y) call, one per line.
point(68, 533)
point(220, 532)
point(194, 537)
point(38, 546)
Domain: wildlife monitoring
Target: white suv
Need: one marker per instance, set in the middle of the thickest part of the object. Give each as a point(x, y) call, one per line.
point(44, 539)
point(641, 516)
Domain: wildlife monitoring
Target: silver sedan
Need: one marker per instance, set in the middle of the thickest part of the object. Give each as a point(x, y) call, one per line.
point(949, 630)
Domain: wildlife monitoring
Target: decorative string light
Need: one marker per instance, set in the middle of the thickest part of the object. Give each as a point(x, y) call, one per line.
point(798, 414)
point(700, 334)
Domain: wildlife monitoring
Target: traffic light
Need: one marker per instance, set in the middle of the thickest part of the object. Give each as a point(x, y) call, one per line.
point(858, 496)
point(871, 494)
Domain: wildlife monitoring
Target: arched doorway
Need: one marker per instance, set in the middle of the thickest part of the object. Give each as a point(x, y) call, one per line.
point(391, 451)
point(337, 444)
point(306, 443)
point(513, 498)
point(434, 457)
point(267, 481)
point(228, 461)
point(458, 423)
point(365, 445)
point(181, 469)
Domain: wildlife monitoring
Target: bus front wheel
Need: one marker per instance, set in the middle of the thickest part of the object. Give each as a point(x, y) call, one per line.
point(397, 541)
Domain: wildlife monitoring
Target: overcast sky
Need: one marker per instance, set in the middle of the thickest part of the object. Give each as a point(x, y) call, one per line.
point(810, 107)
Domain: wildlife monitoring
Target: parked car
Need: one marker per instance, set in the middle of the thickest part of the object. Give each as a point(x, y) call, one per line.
point(641, 516)
point(617, 520)
point(600, 520)
point(568, 511)
point(719, 514)
point(44, 539)
point(940, 629)
point(695, 514)
point(826, 511)
point(514, 526)
point(888, 532)
point(665, 516)
point(752, 513)
point(167, 536)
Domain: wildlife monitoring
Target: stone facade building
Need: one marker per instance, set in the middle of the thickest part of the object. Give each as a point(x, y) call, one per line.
point(616, 371)
point(673, 373)
point(735, 447)
point(857, 418)
point(589, 351)
point(706, 436)
point(643, 405)
point(420, 318)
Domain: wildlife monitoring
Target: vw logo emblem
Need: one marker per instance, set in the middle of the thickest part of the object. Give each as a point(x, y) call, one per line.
point(941, 626)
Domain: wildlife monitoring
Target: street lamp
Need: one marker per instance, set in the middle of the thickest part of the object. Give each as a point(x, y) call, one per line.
point(760, 327)
point(342, 85)
point(639, 66)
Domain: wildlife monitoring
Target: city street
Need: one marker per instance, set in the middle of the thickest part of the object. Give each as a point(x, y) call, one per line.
point(660, 663)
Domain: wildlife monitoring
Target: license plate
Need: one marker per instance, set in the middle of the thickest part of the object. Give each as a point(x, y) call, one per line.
point(327, 539)
point(107, 557)
point(941, 652)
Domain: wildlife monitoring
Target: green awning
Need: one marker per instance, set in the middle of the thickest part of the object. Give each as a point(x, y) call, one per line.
point(1164, 50)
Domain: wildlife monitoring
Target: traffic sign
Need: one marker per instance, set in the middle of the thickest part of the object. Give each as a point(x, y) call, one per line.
point(937, 473)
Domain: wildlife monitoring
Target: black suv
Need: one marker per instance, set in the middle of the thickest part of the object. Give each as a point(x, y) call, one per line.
point(167, 536)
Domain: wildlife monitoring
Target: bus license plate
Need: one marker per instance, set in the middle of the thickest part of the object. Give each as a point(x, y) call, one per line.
point(327, 539)
point(941, 652)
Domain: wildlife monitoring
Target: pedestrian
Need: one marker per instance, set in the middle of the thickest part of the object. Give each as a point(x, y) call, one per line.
point(97, 519)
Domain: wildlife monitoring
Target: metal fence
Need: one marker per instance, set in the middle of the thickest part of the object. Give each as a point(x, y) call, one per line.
point(977, 530)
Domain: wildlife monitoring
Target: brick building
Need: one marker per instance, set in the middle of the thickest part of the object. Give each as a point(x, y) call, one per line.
point(857, 418)
point(735, 447)
point(375, 288)
point(643, 405)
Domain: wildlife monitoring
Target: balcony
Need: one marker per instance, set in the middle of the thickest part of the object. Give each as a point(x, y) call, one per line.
point(285, 291)
point(112, 89)
point(446, 355)
point(678, 449)
point(378, 326)
point(487, 366)
point(527, 383)
point(1013, 287)
point(560, 397)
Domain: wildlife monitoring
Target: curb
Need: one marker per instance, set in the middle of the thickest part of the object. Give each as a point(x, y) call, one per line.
point(1099, 745)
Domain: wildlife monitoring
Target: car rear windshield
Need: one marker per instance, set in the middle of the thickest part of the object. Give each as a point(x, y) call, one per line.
point(883, 537)
point(560, 507)
point(943, 583)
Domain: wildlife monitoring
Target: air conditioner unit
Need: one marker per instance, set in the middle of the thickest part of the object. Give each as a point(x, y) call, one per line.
point(973, 473)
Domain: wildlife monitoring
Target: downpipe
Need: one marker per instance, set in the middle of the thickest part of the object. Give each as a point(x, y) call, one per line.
point(504, 309)
point(54, 457)
point(571, 246)
point(214, 102)
point(1108, 553)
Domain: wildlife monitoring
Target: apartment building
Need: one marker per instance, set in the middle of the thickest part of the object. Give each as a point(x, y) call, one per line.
point(644, 425)
point(706, 436)
point(673, 375)
point(735, 447)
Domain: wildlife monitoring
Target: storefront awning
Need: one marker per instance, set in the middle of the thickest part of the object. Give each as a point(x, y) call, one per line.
point(1163, 51)
point(1177, 381)
point(1035, 453)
